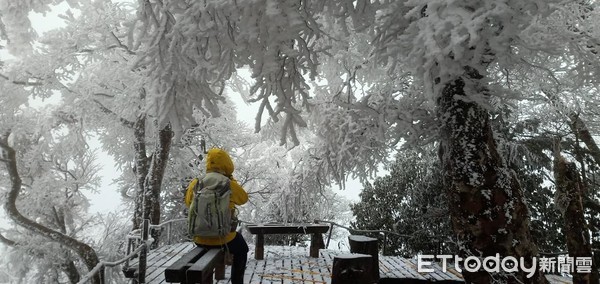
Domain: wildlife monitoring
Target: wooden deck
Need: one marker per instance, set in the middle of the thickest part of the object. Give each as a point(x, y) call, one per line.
point(292, 265)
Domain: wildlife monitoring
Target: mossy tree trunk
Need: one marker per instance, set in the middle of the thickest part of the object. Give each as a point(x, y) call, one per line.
point(488, 212)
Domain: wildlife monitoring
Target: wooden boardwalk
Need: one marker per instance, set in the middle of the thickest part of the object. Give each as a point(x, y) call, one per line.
point(290, 265)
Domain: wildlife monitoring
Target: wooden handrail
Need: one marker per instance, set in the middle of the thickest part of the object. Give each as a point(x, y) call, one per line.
point(408, 236)
point(102, 264)
point(135, 234)
point(167, 222)
point(143, 248)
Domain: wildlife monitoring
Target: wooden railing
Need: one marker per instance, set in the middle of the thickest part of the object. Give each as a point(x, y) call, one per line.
point(142, 250)
point(103, 264)
point(138, 244)
point(385, 233)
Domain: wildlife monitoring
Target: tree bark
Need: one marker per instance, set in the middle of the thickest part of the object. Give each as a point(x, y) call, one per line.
point(149, 173)
point(156, 172)
point(71, 271)
point(87, 253)
point(486, 203)
point(140, 168)
point(570, 202)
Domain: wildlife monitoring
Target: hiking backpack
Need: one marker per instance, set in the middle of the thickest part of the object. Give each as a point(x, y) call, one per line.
point(210, 215)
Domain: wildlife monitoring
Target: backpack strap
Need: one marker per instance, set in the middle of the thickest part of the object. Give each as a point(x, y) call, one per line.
point(199, 185)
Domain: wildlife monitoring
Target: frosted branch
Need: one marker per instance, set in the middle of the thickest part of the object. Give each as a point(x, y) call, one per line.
point(7, 242)
point(65, 171)
point(22, 83)
point(87, 254)
point(120, 44)
point(106, 110)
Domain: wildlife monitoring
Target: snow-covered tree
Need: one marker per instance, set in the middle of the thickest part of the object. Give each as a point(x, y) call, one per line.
point(47, 164)
point(443, 51)
point(381, 72)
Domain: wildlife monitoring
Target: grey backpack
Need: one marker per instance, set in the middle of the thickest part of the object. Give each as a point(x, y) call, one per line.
point(210, 215)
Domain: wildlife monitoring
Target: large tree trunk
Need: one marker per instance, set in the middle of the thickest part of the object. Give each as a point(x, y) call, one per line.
point(570, 203)
point(156, 172)
point(87, 253)
point(487, 209)
point(140, 168)
point(149, 173)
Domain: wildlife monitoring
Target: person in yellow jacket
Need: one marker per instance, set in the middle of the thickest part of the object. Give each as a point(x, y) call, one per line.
point(217, 160)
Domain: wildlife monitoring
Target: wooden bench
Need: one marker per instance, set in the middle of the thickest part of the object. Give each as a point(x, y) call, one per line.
point(197, 266)
point(315, 230)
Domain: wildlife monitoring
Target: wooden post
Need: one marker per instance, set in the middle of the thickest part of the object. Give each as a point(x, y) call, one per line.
point(220, 267)
point(259, 250)
point(143, 252)
point(329, 236)
point(385, 239)
point(352, 269)
point(129, 248)
point(228, 258)
point(368, 246)
point(316, 243)
point(169, 229)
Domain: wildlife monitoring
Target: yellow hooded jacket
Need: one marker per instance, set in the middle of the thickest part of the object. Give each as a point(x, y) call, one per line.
point(217, 160)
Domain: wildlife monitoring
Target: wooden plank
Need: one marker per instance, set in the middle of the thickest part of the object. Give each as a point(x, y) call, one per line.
point(203, 267)
point(406, 268)
point(261, 268)
point(438, 273)
point(387, 270)
point(172, 256)
point(296, 269)
point(292, 265)
point(176, 271)
point(455, 273)
point(153, 256)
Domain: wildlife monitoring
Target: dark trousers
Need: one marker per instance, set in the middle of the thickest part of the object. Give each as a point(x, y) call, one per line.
point(239, 249)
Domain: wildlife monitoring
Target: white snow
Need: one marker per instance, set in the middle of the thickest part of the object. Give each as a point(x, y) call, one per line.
point(360, 238)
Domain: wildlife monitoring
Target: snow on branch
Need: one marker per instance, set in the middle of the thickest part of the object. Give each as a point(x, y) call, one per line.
point(87, 254)
point(106, 110)
point(22, 83)
point(7, 242)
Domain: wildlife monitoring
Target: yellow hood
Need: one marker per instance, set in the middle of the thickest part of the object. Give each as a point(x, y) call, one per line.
point(217, 160)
